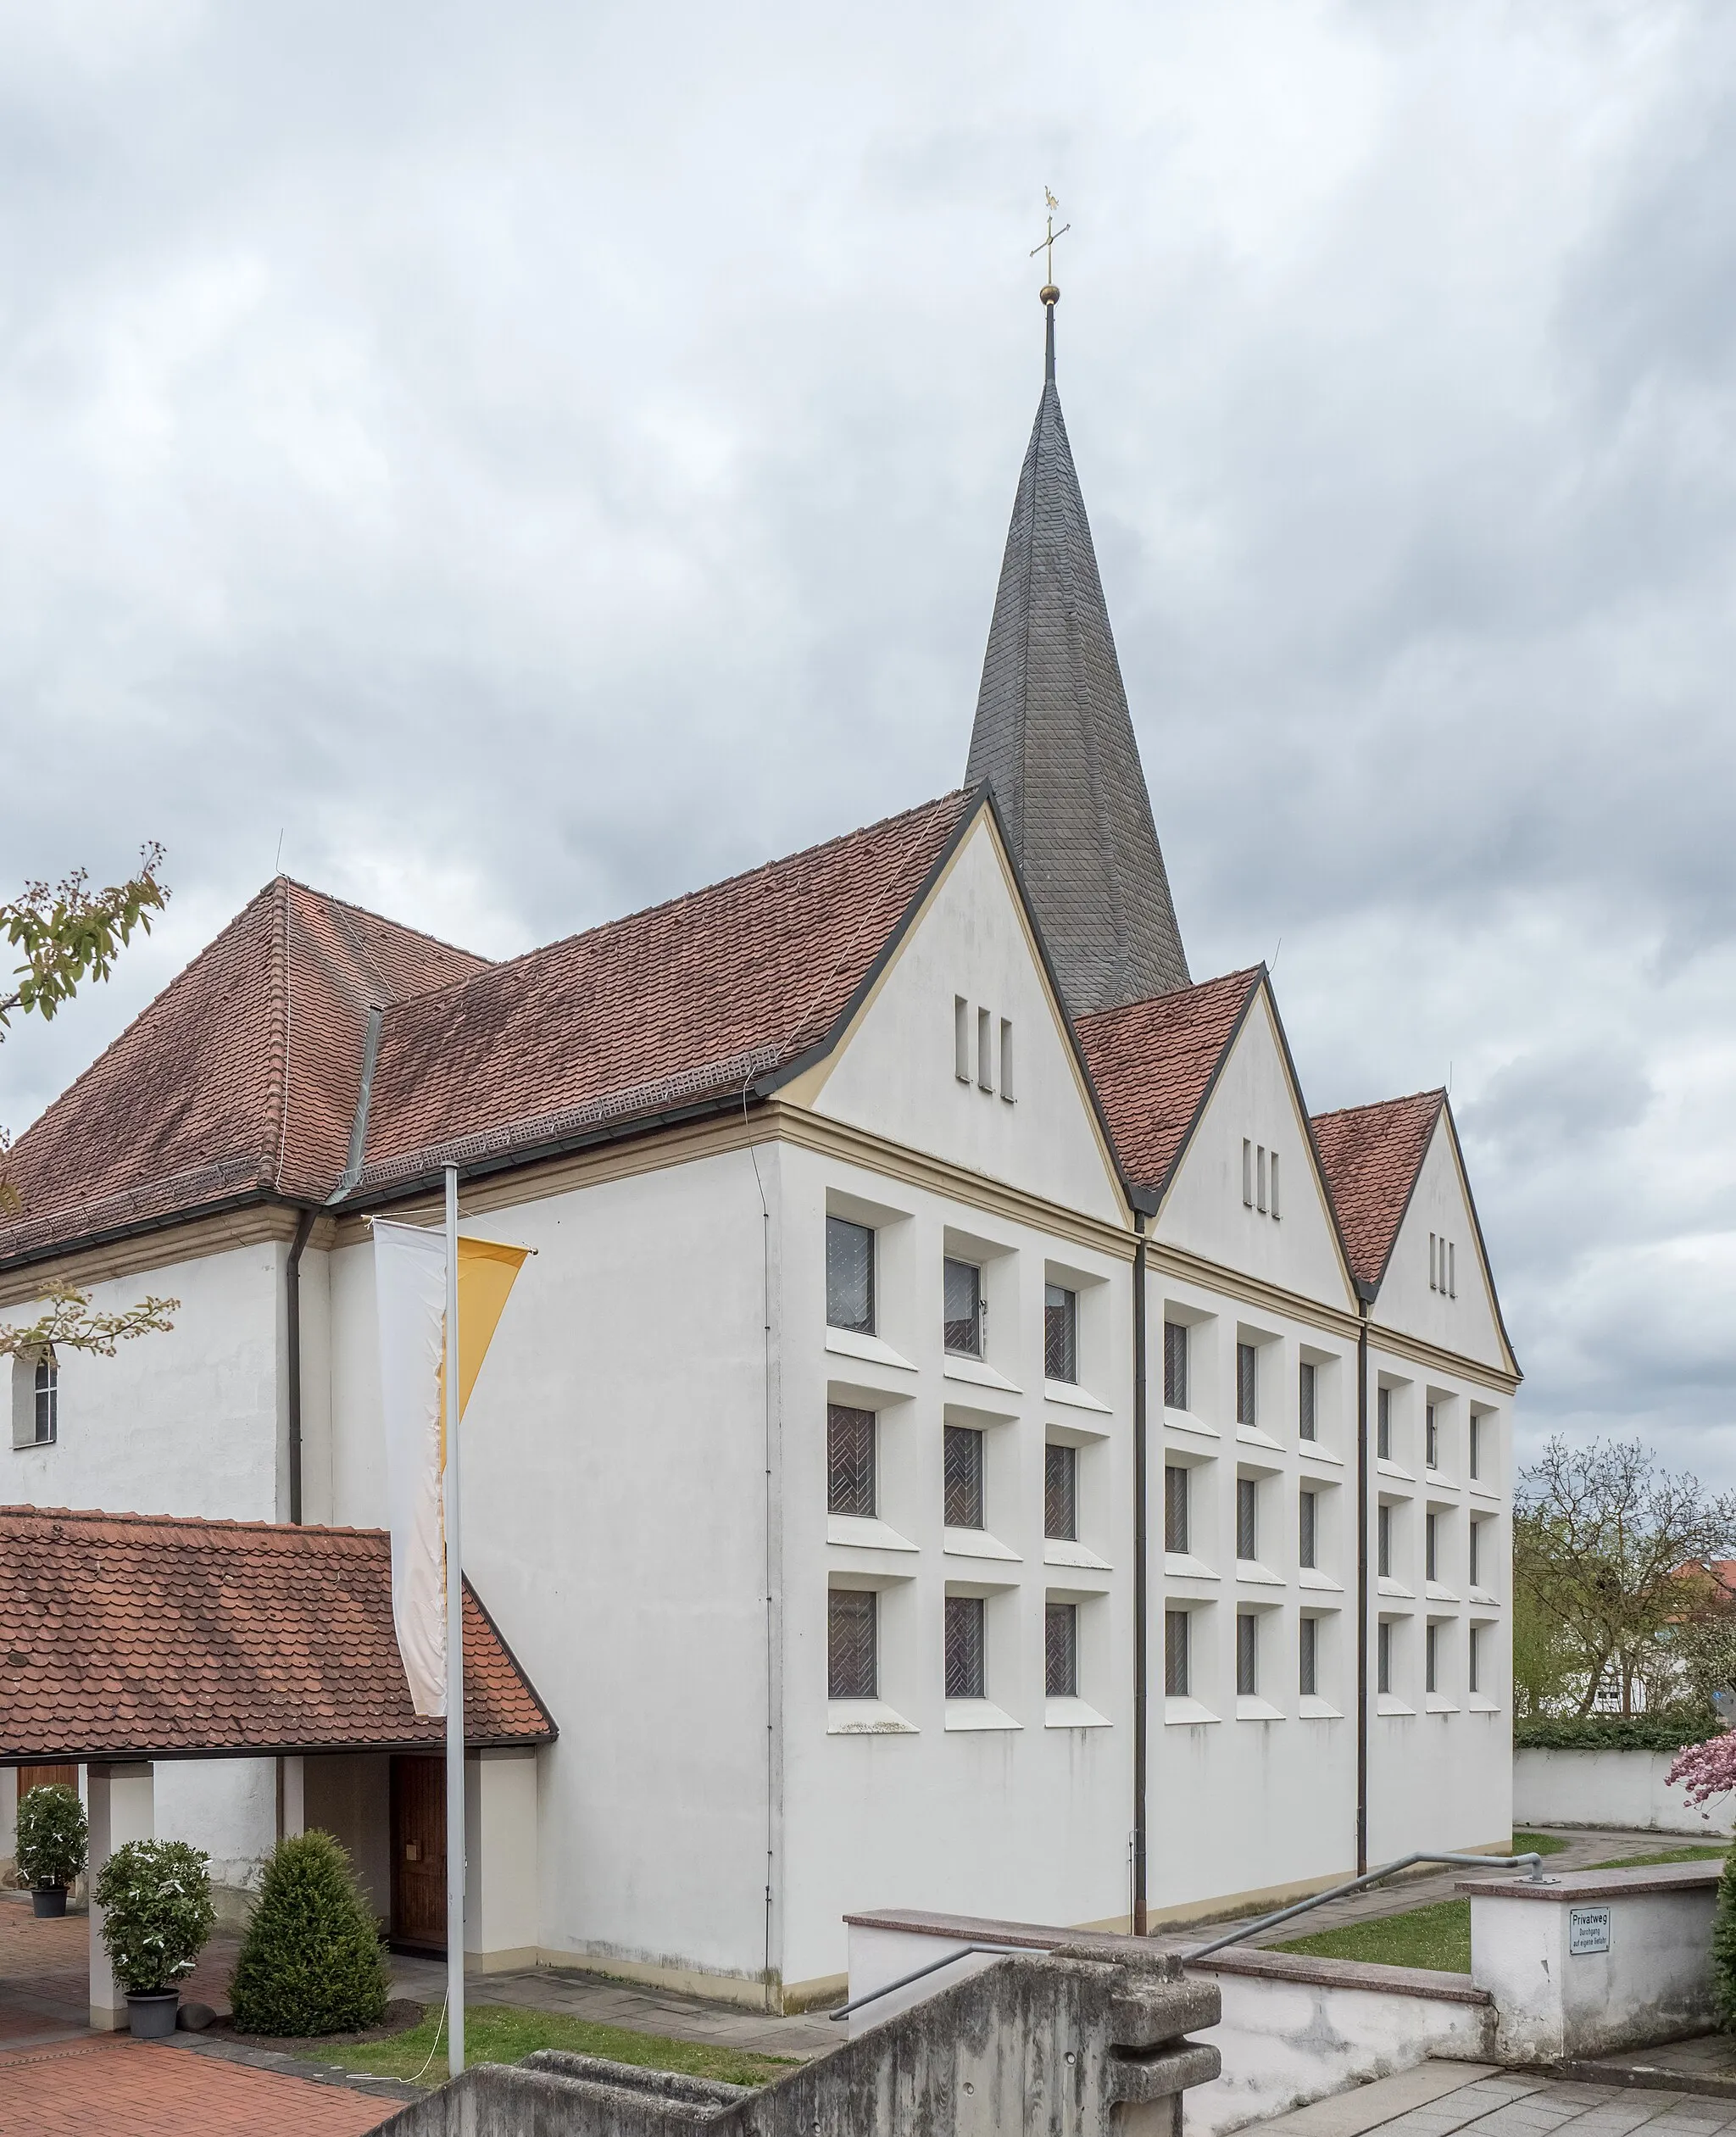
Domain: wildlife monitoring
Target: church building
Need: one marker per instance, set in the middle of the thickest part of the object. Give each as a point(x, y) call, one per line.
point(969, 1438)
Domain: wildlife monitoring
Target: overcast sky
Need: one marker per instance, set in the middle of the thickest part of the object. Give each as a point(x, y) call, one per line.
point(535, 459)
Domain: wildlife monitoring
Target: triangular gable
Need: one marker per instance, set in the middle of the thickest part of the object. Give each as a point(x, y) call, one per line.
point(1437, 1284)
point(892, 1071)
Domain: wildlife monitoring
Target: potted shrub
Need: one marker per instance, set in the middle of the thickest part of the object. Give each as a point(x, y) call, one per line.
point(311, 1961)
point(50, 1847)
point(157, 1913)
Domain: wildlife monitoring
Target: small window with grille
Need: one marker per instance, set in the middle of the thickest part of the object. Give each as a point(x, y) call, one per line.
point(962, 1480)
point(964, 1647)
point(1384, 1655)
point(850, 1461)
point(1383, 1541)
point(1247, 1384)
point(1247, 1655)
point(1384, 1424)
point(1060, 1332)
point(1175, 1671)
point(1175, 1507)
point(849, 1275)
point(1060, 1494)
point(1308, 1657)
point(1175, 1365)
point(852, 1642)
point(1247, 1526)
point(1307, 1524)
point(963, 1283)
point(1061, 1650)
point(35, 1399)
point(1307, 1387)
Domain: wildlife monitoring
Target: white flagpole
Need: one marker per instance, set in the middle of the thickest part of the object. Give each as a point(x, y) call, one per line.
point(454, 1665)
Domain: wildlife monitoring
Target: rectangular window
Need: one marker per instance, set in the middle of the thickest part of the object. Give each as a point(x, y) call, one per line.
point(849, 1462)
point(963, 1464)
point(849, 1275)
point(1473, 1660)
point(1061, 1650)
point(1384, 1424)
point(1384, 1657)
point(852, 1641)
point(1307, 1386)
point(1175, 1674)
point(964, 1308)
point(1060, 1494)
point(1275, 1209)
point(1259, 1179)
point(1431, 1530)
point(961, 1038)
point(1247, 1655)
point(1247, 1532)
point(1006, 1059)
point(1431, 1438)
point(964, 1647)
point(1247, 1384)
point(1383, 1541)
point(985, 1050)
point(1434, 1284)
point(46, 1391)
point(1452, 1269)
point(1474, 1539)
point(1473, 1450)
point(1175, 1365)
point(1430, 1642)
point(1306, 1528)
point(1060, 1333)
point(1175, 1508)
point(1308, 1655)
point(1247, 1173)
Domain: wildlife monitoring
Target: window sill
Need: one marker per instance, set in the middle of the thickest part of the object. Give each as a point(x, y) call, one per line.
point(1058, 1551)
point(1387, 1703)
point(1478, 1705)
point(1485, 1491)
point(864, 1717)
point(1185, 1421)
point(1392, 1469)
point(1438, 1703)
point(1072, 1714)
point(1311, 1451)
point(1311, 1577)
point(1249, 1709)
point(864, 1535)
point(1252, 1436)
point(1180, 1564)
point(1386, 1585)
point(1434, 1593)
point(957, 1366)
point(1185, 1710)
point(1433, 1476)
point(976, 1543)
point(1483, 1595)
point(1256, 1574)
point(846, 1343)
point(1317, 1710)
point(977, 1714)
point(1074, 1396)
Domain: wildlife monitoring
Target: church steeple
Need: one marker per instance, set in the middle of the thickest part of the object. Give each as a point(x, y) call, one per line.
point(1054, 739)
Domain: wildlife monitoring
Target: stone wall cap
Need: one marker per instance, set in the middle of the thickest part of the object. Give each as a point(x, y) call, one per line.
point(970, 1928)
point(1575, 1885)
point(1342, 1974)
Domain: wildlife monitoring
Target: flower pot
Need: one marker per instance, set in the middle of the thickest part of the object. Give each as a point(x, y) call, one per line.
point(152, 2014)
point(47, 1901)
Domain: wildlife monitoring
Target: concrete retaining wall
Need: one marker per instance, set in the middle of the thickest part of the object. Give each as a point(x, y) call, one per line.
point(1612, 1787)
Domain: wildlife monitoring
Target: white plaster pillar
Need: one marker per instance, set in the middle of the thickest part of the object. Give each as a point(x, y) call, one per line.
point(121, 1808)
point(293, 1798)
point(9, 1812)
point(501, 1906)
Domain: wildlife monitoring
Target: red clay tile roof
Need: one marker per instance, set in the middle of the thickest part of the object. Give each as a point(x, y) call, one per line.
point(1370, 1155)
point(1154, 1062)
point(128, 1635)
point(240, 1076)
point(686, 1002)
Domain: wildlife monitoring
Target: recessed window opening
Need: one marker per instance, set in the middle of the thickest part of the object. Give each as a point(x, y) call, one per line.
point(1259, 1179)
point(1383, 1541)
point(1443, 1265)
point(961, 1038)
point(963, 1483)
point(46, 1400)
point(1275, 1212)
point(985, 1050)
point(1384, 1657)
point(1247, 1655)
point(1060, 1494)
point(1384, 1424)
point(1061, 1650)
point(1006, 1059)
point(1430, 1642)
point(849, 1462)
point(1306, 1528)
point(1247, 1529)
point(1175, 1508)
point(963, 1283)
point(1473, 1449)
point(1308, 1654)
point(1176, 1673)
point(1247, 1174)
point(849, 1275)
point(852, 1642)
point(1473, 1660)
point(1175, 1365)
point(1431, 1438)
point(1307, 1394)
point(1474, 1545)
point(964, 1647)
point(1431, 1530)
point(1452, 1269)
point(1247, 1384)
point(1060, 1333)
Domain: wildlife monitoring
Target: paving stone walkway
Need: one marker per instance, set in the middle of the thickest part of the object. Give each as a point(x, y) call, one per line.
point(110, 2082)
point(1444, 2100)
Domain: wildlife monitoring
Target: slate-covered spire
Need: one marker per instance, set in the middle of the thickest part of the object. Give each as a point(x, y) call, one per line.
point(1054, 739)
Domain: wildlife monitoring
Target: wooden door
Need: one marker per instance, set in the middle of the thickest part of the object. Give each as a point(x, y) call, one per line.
point(419, 1853)
point(43, 1777)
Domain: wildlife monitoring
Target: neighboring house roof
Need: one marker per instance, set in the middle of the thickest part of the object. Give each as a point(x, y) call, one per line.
point(132, 1636)
point(1372, 1155)
point(1154, 1064)
point(1054, 739)
point(239, 1078)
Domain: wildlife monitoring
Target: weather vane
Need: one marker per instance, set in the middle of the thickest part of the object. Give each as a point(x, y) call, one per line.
point(1051, 292)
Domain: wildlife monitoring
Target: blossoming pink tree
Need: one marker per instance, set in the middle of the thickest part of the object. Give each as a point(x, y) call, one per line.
point(1706, 1769)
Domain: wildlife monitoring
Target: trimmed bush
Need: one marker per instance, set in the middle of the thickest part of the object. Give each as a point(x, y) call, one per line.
point(1724, 1947)
point(157, 1912)
point(1667, 1731)
point(51, 1837)
point(311, 1961)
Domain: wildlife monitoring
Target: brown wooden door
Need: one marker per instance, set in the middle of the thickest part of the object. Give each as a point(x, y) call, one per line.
point(43, 1777)
point(419, 1853)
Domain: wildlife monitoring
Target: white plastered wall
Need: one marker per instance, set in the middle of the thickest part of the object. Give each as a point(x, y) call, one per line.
point(1465, 1324)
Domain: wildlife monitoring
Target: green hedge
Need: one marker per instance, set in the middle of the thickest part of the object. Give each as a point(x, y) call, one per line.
point(311, 1961)
point(1664, 1732)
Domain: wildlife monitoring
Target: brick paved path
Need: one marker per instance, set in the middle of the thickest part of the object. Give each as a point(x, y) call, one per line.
point(121, 2087)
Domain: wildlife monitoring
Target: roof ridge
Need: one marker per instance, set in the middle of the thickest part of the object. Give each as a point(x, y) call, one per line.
point(367, 912)
point(1371, 1105)
point(208, 1522)
point(1251, 973)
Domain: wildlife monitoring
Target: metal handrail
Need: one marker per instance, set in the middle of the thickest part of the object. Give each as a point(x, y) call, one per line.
point(1358, 1884)
point(934, 1966)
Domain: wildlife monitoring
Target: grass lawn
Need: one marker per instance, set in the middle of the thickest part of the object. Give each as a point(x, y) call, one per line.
point(502, 2033)
point(1663, 1854)
point(1537, 1843)
point(1437, 1939)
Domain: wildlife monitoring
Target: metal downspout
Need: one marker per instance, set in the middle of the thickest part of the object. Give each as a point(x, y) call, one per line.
point(1363, 1598)
point(293, 1362)
point(1141, 1636)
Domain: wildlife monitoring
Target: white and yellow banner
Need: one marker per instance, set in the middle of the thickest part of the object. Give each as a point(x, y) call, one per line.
point(409, 1281)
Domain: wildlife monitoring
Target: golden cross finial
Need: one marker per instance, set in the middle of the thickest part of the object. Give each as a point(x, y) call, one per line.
point(1047, 245)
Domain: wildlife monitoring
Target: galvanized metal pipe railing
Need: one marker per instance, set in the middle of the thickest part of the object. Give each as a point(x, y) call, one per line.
point(1358, 1884)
